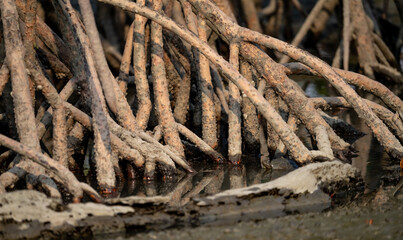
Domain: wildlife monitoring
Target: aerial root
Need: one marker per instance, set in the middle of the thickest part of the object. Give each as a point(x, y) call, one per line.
point(57, 170)
point(183, 87)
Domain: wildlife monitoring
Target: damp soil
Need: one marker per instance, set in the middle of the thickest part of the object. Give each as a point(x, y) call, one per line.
point(363, 221)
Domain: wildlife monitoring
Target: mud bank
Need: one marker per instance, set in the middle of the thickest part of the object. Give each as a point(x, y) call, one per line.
point(30, 214)
point(373, 221)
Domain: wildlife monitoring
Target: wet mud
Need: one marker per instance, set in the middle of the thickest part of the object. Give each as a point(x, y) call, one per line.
point(372, 221)
point(30, 214)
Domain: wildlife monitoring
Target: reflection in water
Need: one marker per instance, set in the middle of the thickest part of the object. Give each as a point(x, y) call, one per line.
point(237, 177)
point(215, 185)
point(210, 178)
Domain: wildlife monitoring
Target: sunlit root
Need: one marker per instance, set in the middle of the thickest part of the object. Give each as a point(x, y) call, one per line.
point(58, 170)
point(22, 98)
point(153, 151)
point(323, 143)
point(222, 22)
